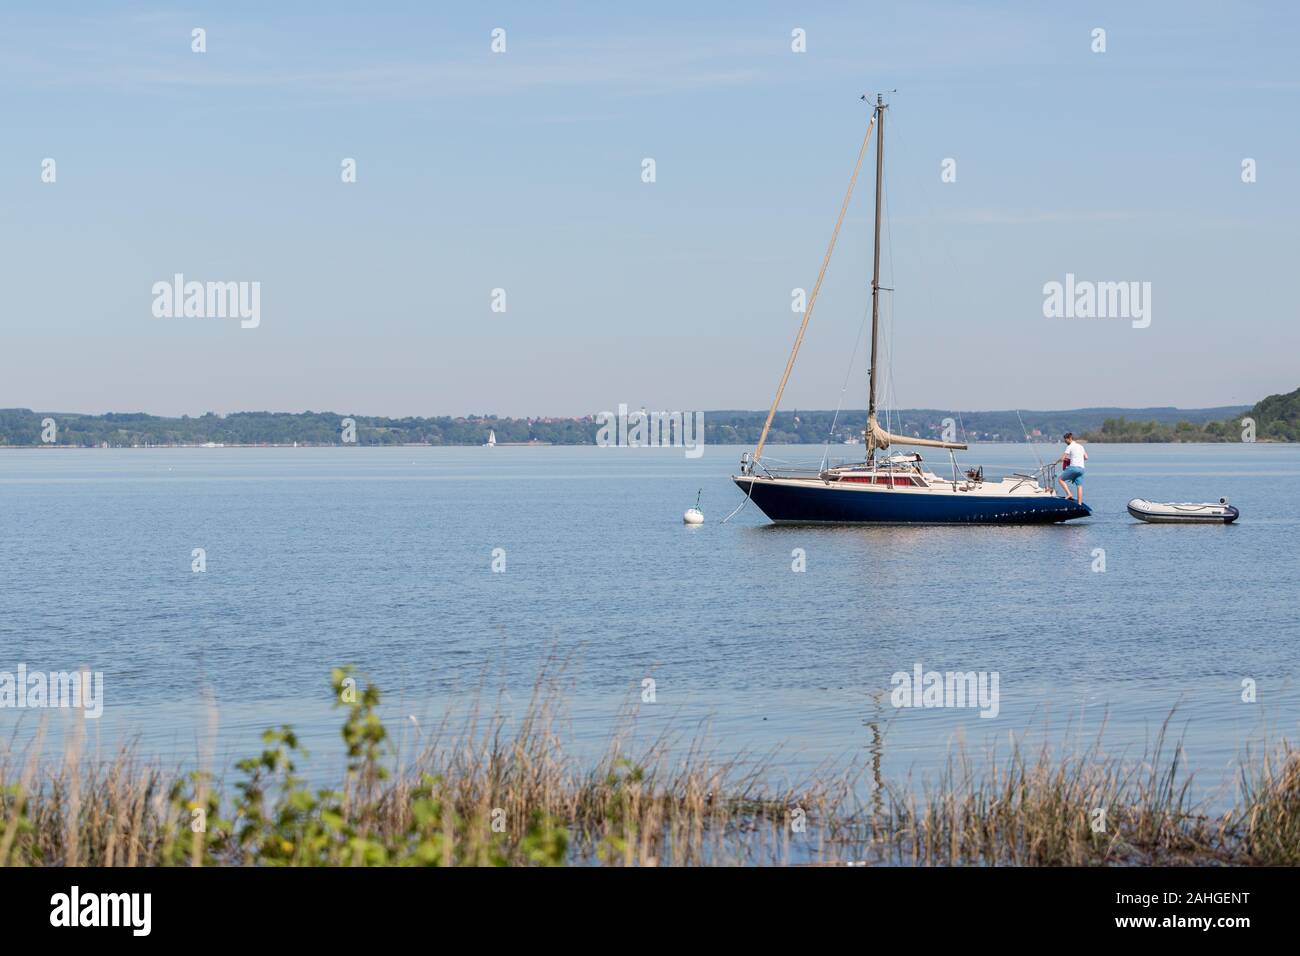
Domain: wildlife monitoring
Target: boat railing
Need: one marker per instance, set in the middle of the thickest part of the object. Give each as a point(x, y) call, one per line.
point(1044, 477)
point(1047, 476)
point(833, 471)
point(759, 467)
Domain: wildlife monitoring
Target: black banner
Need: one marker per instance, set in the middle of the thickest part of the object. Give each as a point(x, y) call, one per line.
point(329, 906)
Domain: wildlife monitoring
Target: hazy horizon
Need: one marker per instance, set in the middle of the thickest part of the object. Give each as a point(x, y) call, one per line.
point(522, 170)
point(491, 414)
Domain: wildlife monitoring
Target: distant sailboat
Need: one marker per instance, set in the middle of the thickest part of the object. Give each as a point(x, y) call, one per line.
point(492, 439)
point(894, 488)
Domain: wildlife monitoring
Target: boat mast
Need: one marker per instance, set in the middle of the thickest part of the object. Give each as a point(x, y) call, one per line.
point(877, 437)
point(875, 276)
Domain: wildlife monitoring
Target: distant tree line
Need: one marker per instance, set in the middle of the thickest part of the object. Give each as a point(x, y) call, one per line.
point(1277, 419)
point(116, 429)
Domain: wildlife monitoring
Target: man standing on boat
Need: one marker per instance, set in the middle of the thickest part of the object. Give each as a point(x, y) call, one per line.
point(1073, 462)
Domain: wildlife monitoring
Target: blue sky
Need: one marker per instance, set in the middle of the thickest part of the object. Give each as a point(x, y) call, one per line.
point(522, 171)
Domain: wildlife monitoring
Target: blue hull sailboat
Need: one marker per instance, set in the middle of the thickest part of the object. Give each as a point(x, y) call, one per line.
point(889, 495)
point(891, 488)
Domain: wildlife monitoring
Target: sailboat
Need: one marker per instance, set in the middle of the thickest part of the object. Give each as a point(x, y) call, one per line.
point(891, 487)
point(492, 439)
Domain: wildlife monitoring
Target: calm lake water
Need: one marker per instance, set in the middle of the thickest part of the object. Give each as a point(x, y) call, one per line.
point(383, 557)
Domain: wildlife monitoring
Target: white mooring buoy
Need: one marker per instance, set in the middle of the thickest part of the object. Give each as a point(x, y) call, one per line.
point(694, 515)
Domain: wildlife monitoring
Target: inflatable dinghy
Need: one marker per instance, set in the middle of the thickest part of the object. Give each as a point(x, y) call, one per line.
point(1168, 512)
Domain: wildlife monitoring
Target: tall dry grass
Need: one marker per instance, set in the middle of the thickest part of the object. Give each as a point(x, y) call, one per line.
point(484, 791)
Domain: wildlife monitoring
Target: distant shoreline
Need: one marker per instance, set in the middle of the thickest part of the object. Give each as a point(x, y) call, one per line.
point(1276, 418)
point(732, 444)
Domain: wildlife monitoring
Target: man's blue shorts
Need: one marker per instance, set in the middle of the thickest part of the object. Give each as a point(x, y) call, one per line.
point(1073, 474)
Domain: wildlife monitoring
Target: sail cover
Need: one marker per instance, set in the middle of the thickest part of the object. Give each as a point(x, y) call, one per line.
point(877, 437)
